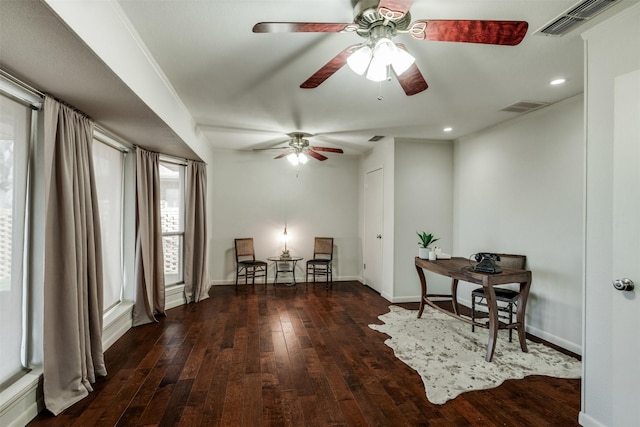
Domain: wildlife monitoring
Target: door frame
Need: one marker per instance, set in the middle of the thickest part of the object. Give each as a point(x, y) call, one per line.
point(366, 238)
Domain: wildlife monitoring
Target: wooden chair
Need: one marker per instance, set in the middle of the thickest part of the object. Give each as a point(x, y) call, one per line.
point(320, 265)
point(506, 299)
point(246, 263)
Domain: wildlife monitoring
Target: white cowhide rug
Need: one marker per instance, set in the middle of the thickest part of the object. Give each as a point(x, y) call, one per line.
point(450, 358)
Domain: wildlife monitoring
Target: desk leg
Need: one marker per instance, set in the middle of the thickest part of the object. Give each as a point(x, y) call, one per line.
point(493, 322)
point(293, 271)
point(522, 307)
point(275, 281)
point(454, 295)
point(423, 290)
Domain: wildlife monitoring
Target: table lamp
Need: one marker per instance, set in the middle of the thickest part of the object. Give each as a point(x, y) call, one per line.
point(285, 237)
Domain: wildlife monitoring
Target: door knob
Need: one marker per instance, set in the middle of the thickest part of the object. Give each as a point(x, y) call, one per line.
point(623, 284)
point(378, 236)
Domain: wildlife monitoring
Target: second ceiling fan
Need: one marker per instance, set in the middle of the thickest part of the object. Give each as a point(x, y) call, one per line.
point(299, 149)
point(378, 22)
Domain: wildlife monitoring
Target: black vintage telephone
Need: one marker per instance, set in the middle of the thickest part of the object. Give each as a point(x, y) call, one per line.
point(487, 263)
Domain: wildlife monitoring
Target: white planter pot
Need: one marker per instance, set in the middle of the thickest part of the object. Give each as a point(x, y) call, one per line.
point(423, 253)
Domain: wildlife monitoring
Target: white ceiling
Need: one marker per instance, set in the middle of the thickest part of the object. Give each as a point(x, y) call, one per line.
point(242, 89)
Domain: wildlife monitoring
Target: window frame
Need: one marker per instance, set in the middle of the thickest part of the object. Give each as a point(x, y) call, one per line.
point(11, 91)
point(170, 163)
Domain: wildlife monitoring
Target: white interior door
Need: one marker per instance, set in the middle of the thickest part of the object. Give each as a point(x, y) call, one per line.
point(373, 208)
point(625, 390)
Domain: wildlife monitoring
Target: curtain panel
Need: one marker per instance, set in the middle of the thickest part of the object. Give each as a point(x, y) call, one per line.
point(196, 279)
point(72, 335)
point(149, 267)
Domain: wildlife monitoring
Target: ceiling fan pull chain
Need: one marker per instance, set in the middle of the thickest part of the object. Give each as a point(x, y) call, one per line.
point(380, 97)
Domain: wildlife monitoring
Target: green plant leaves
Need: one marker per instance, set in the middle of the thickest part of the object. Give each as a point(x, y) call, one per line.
point(426, 239)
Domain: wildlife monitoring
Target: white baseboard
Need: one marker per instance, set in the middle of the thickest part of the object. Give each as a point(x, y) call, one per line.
point(225, 282)
point(174, 297)
point(553, 339)
point(397, 300)
point(386, 296)
point(116, 323)
point(587, 421)
point(539, 333)
point(20, 402)
point(120, 319)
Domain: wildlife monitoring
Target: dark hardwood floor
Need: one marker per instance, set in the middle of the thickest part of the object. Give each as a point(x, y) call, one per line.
point(290, 357)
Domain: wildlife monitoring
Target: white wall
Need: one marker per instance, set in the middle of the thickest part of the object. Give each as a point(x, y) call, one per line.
point(423, 202)
point(417, 191)
point(612, 50)
point(518, 188)
point(253, 195)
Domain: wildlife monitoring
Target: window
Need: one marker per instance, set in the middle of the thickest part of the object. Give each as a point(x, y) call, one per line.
point(108, 163)
point(15, 135)
point(172, 211)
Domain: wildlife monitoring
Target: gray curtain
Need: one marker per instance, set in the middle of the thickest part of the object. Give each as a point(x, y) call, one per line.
point(195, 234)
point(72, 341)
point(149, 267)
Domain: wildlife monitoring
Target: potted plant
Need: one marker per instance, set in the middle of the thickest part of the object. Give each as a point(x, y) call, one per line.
point(425, 241)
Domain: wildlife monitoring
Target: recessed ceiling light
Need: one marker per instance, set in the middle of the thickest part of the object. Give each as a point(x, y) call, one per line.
point(448, 129)
point(556, 82)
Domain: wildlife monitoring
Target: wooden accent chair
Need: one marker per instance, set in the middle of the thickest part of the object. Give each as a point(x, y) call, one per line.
point(246, 263)
point(320, 265)
point(506, 299)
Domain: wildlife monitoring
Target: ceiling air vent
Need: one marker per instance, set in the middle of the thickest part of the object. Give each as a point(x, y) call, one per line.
point(376, 138)
point(524, 106)
point(577, 15)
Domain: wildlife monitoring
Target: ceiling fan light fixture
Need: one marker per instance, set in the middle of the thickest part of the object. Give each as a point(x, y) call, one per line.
point(402, 61)
point(375, 62)
point(378, 70)
point(385, 51)
point(298, 158)
point(293, 159)
point(359, 60)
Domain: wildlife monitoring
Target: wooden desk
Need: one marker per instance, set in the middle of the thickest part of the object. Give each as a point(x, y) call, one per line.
point(459, 269)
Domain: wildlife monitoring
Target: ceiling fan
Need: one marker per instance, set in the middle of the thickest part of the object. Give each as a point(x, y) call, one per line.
point(299, 149)
point(378, 22)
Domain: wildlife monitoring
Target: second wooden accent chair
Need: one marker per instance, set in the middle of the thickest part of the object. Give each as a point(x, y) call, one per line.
point(320, 265)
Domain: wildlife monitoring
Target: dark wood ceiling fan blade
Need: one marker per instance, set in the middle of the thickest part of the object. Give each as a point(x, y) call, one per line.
point(327, 149)
point(285, 154)
point(394, 9)
point(509, 33)
point(316, 156)
point(412, 81)
point(300, 27)
point(328, 69)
